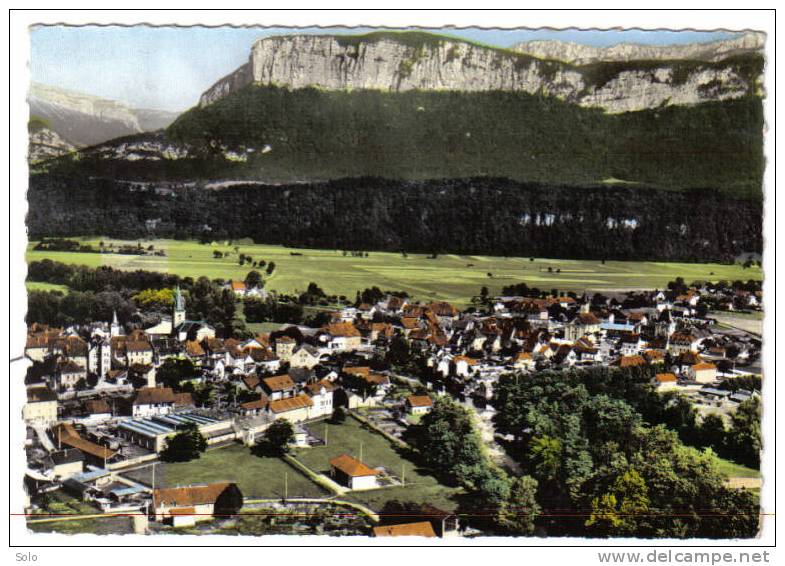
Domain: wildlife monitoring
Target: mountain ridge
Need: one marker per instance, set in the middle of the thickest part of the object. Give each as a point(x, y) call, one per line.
point(580, 54)
point(84, 120)
point(404, 61)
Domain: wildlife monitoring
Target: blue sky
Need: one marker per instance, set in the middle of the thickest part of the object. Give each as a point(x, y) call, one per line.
point(168, 68)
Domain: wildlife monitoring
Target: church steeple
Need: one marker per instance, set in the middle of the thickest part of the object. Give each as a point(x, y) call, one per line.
point(114, 330)
point(178, 313)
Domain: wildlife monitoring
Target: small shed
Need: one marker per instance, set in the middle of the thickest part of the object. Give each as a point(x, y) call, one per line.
point(352, 473)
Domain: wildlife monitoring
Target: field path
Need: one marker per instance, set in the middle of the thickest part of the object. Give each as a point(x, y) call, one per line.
point(747, 483)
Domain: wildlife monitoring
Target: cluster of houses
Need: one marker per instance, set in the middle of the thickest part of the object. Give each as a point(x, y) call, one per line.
point(95, 404)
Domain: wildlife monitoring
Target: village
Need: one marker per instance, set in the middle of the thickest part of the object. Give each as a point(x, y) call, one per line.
point(105, 402)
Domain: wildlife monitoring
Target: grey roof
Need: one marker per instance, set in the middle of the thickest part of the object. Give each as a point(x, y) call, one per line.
point(715, 392)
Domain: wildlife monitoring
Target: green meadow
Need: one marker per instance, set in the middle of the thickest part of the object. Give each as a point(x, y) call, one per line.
point(454, 278)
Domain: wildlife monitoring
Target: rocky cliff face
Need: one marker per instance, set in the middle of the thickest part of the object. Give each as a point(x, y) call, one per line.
point(45, 144)
point(389, 63)
point(575, 53)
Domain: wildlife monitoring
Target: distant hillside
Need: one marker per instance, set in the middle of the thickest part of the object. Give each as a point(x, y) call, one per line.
point(578, 54)
point(84, 120)
point(272, 134)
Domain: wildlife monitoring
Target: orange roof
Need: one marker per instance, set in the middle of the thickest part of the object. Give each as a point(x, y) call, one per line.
point(377, 379)
point(665, 377)
point(410, 322)
point(97, 406)
point(588, 318)
point(315, 388)
point(66, 434)
point(342, 329)
point(251, 381)
point(184, 399)
point(238, 286)
point(654, 355)
point(467, 359)
point(419, 401)
point(148, 395)
point(420, 529)
point(358, 370)
point(630, 361)
point(188, 496)
point(703, 366)
point(291, 404)
point(443, 308)
point(138, 346)
point(278, 382)
point(259, 403)
point(523, 356)
point(193, 348)
point(352, 467)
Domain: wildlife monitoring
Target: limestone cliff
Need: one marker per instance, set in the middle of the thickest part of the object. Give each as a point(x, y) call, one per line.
point(400, 62)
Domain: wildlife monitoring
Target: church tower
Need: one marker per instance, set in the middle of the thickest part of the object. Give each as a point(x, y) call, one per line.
point(114, 330)
point(178, 314)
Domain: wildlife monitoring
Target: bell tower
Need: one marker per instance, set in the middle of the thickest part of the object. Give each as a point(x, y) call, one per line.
point(114, 329)
point(178, 312)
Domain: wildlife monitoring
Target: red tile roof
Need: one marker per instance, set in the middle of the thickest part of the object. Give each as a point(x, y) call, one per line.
point(278, 382)
point(150, 395)
point(290, 404)
point(419, 529)
point(188, 496)
point(352, 467)
point(419, 401)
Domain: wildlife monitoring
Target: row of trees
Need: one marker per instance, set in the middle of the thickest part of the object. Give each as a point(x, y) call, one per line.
point(467, 216)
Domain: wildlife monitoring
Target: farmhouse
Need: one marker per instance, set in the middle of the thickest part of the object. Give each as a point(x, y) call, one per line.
point(278, 386)
point(344, 337)
point(418, 404)
point(352, 473)
point(238, 288)
point(703, 372)
point(665, 381)
point(184, 506)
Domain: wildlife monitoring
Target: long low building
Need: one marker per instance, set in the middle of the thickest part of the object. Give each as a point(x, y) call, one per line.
point(152, 432)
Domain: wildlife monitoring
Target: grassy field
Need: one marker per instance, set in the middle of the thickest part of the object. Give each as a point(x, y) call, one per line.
point(39, 286)
point(449, 277)
point(257, 477)
point(109, 525)
point(749, 322)
point(377, 451)
point(734, 470)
